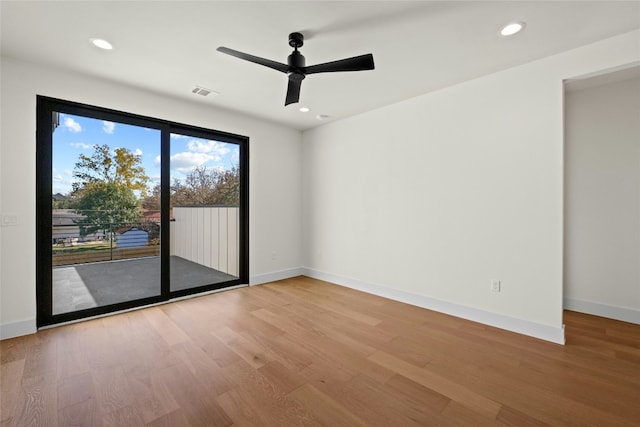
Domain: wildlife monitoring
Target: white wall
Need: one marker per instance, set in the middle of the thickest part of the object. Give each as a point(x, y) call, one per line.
point(275, 175)
point(602, 252)
point(428, 200)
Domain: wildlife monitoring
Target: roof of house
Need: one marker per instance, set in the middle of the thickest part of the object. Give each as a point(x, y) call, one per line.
point(127, 229)
point(154, 216)
point(65, 217)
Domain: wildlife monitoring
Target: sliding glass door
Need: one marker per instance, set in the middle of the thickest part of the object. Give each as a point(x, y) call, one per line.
point(204, 210)
point(104, 234)
point(133, 210)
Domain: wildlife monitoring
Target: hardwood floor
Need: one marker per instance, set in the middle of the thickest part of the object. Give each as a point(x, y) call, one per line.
point(305, 352)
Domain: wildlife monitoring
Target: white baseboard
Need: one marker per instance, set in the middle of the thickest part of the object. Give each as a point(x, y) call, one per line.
point(525, 327)
point(259, 279)
point(16, 329)
point(26, 327)
point(625, 314)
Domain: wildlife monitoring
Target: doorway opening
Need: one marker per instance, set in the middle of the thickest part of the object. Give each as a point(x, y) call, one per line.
point(602, 194)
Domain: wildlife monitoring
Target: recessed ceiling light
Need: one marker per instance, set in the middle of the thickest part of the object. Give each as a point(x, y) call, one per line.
point(102, 44)
point(512, 29)
point(304, 109)
point(322, 116)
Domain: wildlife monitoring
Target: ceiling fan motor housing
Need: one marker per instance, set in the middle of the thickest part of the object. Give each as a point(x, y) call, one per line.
point(296, 61)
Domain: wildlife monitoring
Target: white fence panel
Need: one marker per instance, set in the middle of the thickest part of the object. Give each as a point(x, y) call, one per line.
point(208, 236)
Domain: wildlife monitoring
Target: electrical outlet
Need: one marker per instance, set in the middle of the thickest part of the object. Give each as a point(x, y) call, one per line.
point(495, 286)
point(273, 256)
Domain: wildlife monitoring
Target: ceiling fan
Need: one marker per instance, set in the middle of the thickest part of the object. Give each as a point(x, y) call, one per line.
point(296, 68)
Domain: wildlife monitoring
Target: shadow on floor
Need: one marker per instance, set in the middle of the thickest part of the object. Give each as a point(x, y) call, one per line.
point(103, 283)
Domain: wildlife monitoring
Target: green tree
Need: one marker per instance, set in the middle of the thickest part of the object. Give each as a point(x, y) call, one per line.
point(105, 189)
point(121, 166)
point(61, 201)
point(228, 187)
point(152, 201)
point(205, 186)
point(106, 206)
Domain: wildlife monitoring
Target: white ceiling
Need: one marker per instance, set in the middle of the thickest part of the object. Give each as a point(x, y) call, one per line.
point(418, 46)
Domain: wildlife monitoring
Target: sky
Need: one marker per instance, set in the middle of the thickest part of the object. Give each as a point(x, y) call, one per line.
point(77, 135)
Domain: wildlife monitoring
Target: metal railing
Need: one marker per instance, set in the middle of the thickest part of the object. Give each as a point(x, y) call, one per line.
point(207, 235)
point(82, 242)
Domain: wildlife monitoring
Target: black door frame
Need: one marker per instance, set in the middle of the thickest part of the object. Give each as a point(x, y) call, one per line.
point(45, 109)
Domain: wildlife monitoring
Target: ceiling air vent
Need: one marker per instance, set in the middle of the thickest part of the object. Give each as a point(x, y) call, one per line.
point(199, 90)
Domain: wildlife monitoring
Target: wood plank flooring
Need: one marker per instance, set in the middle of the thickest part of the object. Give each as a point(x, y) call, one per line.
point(303, 352)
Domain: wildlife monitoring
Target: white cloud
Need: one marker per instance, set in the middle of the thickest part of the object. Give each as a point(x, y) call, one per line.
point(235, 156)
point(62, 185)
point(81, 145)
point(213, 148)
point(63, 180)
point(72, 125)
point(68, 172)
point(178, 136)
point(200, 153)
point(108, 127)
point(187, 161)
point(138, 152)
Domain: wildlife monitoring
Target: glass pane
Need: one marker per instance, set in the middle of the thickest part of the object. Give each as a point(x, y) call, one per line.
point(105, 213)
point(205, 197)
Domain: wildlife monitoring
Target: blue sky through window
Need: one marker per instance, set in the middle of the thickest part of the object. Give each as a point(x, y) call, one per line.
point(77, 135)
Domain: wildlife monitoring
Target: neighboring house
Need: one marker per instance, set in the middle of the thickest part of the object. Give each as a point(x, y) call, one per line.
point(151, 216)
point(66, 229)
point(131, 237)
point(65, 225)
point(154, 216)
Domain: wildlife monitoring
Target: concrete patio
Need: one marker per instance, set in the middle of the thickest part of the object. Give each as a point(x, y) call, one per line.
point(82, 286)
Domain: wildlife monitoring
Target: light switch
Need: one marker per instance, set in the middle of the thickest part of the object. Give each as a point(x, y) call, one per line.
point(9, 220)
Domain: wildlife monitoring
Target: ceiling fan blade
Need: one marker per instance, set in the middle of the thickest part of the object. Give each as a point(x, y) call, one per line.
point(357, 63)
point(255, 59)
point(293, 91)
